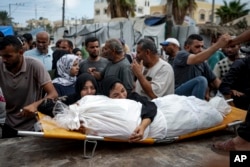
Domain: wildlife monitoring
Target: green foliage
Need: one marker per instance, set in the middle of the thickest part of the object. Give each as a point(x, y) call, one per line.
point(4, 18)
point(121, 8)
point(231, 11)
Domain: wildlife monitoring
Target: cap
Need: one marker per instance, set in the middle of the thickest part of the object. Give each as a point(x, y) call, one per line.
point(170, 40)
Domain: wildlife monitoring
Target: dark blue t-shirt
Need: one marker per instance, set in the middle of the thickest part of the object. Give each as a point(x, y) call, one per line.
point(184, 72)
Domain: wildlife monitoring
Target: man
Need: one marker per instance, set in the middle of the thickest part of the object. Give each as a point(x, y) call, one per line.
point(222, 67)
point(118, 66)
point(192, 74)
point(155, 77)
point(242, 67)
point(94, 62)
point(171, 46)
point(66, 45)
point(42, 52)
point(22, 80)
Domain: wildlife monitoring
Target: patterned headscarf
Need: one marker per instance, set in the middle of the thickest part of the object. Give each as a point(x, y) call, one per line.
point(64, 64)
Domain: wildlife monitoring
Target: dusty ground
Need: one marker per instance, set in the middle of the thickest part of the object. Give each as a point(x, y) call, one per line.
point(36, 151)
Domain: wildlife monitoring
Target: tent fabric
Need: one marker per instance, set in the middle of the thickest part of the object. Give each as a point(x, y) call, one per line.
point(7, 30)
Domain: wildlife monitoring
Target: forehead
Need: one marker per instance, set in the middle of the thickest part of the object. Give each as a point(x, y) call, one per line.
point(42, 36)
point(197, 42)
point(94, 43)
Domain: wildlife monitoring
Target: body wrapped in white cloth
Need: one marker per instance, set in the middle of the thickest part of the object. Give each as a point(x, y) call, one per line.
point(118, 118)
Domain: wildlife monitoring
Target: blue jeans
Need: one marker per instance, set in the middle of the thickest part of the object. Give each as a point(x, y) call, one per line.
point(195, 87)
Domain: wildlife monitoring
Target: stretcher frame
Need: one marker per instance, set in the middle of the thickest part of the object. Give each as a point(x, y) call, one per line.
point(51, 130)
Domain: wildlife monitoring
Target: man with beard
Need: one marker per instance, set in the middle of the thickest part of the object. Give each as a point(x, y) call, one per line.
point(22, 80)
point(223, 66)
point(192, 73)
point(42, 52)
point(155, 77)
point(119, 65)
point(94, 64)
point(171, 47)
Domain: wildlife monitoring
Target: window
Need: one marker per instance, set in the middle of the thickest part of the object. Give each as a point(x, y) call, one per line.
point(97, 12)
point(202, 16)
point(105, 11)
point(140, 10)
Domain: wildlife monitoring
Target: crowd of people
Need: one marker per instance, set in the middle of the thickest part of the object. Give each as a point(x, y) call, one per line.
point(31, 72)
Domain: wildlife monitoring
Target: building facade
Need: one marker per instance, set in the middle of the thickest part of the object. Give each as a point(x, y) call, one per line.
point(201, 15)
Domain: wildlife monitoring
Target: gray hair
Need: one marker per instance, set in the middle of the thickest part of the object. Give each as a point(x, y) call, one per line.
point(115, 45)
point(146, 43)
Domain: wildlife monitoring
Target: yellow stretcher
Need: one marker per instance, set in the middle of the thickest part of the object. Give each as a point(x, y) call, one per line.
point(51, 130)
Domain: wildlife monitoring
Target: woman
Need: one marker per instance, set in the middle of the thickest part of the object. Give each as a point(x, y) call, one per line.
point(85, 85)
point(67, 68)
point(77, 52)
point(120, 118)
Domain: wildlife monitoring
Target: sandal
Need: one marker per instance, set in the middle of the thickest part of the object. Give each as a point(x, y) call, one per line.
point(224, 147)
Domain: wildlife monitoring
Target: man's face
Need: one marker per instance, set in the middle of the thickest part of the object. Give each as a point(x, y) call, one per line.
point(108, 52)
point(64, 45)
point(42, 43)
point(231, 51)
point(11, 57)
point(93, 49)
point(141, 54)
point(195, 47)
point(169, 49)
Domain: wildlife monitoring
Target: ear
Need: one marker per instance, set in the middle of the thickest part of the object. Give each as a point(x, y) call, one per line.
point(21, 51)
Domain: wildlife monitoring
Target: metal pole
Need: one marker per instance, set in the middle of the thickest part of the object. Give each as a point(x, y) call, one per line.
point(63, 11)
point(212, 16)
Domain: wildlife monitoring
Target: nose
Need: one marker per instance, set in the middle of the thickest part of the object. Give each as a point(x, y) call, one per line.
point(121, 96)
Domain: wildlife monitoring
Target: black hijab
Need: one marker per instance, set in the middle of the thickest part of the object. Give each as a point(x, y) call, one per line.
point(80, 82)
point(108, 83)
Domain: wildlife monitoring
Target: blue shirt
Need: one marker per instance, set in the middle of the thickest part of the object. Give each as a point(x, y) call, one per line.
point(46, 59)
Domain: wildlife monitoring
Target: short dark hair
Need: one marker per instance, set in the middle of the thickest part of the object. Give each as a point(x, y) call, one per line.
point(191, 38)
point(147, 43)
point(15, 41)
point(90, 39)
point(70, 43)
point(28, 37)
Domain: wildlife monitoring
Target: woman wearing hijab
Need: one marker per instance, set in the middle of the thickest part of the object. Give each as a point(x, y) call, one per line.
point(67, 68)
point(85, 85)
point(129, 117)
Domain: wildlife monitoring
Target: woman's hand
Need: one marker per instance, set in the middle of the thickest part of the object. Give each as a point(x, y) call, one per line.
point(139, 131)
point(137, 134)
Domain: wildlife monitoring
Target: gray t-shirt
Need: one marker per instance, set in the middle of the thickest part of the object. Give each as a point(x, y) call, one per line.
point(122, 70)
point(100, 65)
point(22, 89)
point(184, 72)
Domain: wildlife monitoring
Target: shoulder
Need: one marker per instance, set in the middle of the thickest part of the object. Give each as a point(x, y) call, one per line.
point(31, 52)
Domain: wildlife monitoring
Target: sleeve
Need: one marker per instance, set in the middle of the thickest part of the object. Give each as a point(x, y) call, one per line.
point(208, 73)
point(216, 70)
point(229, 79)
point(149, 109)
point(163, 81)
point(181, 58)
